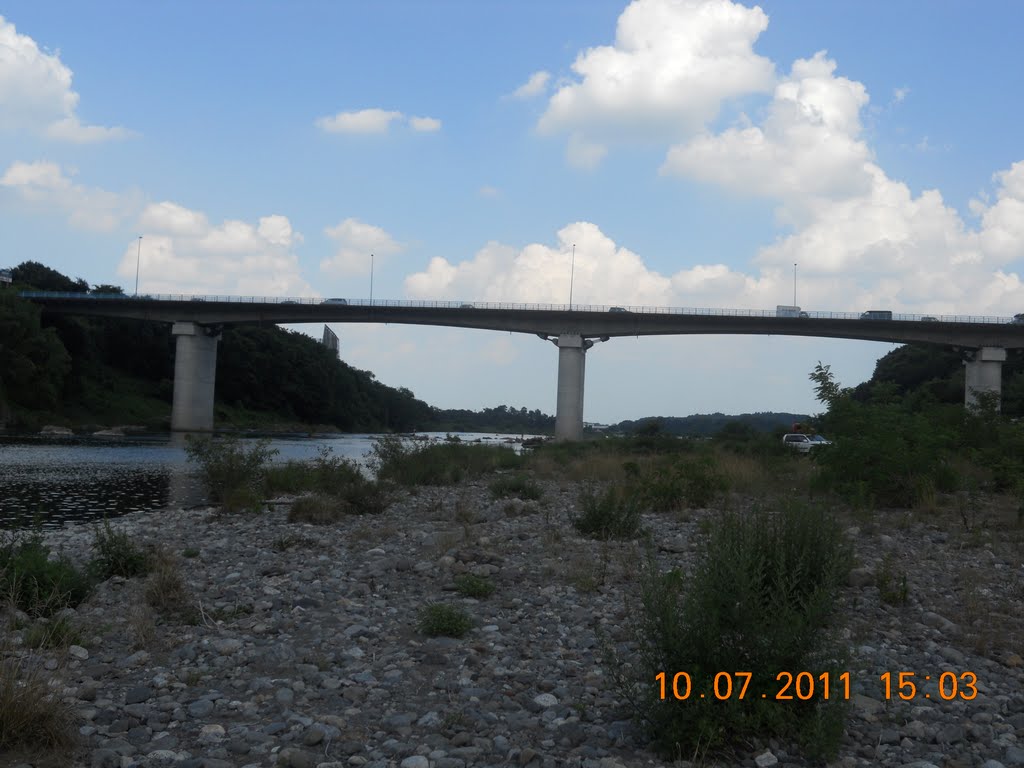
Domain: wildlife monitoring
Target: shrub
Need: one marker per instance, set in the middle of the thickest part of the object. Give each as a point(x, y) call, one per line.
point(440, 620)
point(518, 486)
point(116, 555)
point(36, 584)
point(408, 463)
point(473, 586)
point(611, 515)
point(232, 473)
point(758, 601)
point(318, 509)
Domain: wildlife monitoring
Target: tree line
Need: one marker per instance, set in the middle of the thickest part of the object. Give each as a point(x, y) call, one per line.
point(110, 370)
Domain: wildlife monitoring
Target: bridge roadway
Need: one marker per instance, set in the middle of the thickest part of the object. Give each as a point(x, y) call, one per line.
point(197, 322)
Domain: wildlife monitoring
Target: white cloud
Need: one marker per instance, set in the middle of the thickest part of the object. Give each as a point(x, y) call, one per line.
point(36, 94)
point(367, 121)
point(356, 241)
point(535, 86)
point(362, 121)
point(488, 191)
point(44, 186)
point(673, 64)
point(583, 154)
point(182, 252)
point(899, 95)
point(425, 124)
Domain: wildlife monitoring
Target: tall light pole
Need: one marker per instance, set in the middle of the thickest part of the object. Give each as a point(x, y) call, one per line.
point(572, 273)
point(371, 279)
point(138, 257)
point(794, 284)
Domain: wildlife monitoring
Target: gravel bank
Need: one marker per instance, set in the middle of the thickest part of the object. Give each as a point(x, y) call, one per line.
point(306, 652)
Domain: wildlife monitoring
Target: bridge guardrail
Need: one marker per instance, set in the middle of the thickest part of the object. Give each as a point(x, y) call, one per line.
point(706, 311)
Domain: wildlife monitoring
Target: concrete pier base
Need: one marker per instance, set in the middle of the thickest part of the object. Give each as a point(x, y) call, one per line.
point(983, 375)
point(572, 360)
point(195, 371)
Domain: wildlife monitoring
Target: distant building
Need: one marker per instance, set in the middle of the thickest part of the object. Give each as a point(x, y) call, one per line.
point(6, 276)
point(331, 341)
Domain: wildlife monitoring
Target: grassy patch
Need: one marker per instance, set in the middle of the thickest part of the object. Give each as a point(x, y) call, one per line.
point(517, 486)
point(441, 620)
point(59, 633)
point(32, 716)
point(409, 463)
point(115, 554)
point(166, 590)
point(35, 583)
point(468, 585)
point(233, 473)
point(610, 515)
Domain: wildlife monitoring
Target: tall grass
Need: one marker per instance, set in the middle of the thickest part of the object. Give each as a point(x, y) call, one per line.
point(759, 601)
point(407, 462)
point(36, 583)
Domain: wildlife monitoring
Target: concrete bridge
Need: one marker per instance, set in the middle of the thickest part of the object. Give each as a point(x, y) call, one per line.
point(196, 322)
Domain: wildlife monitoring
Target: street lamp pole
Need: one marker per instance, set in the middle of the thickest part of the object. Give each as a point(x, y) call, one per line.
point(138, 256)
point(794, 284)
point(572, 274)
point(371, 279)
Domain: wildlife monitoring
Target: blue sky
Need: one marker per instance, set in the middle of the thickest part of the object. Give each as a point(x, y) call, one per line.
point(693, 150)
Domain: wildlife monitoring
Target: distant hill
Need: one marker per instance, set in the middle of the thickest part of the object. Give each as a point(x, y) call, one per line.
point(706, 425)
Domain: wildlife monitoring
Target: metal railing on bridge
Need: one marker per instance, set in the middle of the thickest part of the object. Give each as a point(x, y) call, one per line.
point(708, 311)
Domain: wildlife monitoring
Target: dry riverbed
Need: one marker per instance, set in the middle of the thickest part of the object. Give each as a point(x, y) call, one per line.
point(305, 652)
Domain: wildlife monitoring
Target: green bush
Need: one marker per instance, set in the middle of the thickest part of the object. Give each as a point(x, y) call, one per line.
point(116, 555)
point(611, 515)
point(519, 486)
point(473, 586)
point(36, 584)
point(440, 620)
point(32, 715)
point(407, 462)
point(759, 601)
point(233, 474)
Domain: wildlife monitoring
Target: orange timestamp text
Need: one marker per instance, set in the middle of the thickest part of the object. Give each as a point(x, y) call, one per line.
point(804, 686)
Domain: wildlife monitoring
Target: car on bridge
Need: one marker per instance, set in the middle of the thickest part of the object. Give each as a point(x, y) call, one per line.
point(876, 314)
point(1018, 319)
point(617, 309)
point(335, 301)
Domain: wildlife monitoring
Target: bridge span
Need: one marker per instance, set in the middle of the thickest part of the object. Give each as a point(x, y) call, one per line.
point(197, 321)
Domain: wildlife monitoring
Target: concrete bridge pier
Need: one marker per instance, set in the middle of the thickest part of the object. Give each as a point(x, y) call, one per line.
point(984, 374)
point(195, 370)
point(572, 362)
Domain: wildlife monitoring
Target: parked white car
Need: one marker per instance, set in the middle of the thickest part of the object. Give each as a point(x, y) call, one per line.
point(798, 441)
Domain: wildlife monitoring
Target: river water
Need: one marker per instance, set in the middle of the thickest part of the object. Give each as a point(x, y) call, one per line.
point(49, 481)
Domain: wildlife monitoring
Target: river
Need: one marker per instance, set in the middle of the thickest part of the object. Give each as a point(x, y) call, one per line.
point(49, 481)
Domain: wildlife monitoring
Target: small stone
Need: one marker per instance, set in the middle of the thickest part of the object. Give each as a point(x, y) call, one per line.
point(78, 652)
point(200, 708)
point(211, 734)
point(313, 736)
point(545, 700)
point(138, 694)
point(860, 577)
point(227, 645)
point(766, 759)
point(416, 761)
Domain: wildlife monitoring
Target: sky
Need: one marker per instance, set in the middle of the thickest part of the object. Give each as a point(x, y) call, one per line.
point(693, 152)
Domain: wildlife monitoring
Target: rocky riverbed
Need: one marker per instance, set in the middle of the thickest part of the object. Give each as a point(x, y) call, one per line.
point(304, 651)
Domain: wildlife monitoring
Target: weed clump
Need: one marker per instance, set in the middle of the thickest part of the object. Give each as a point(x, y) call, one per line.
point(37, 584)
point(58, 633)
point(517, 486)
point(758, 602)
point(441, 620)
point(611, 515)
point(166, 590)
point(468, 585)
point(408, 463)
point(233, 474)
point(115, 554)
